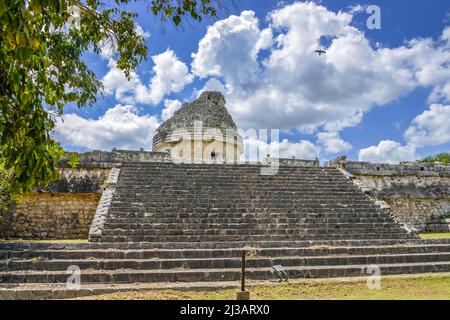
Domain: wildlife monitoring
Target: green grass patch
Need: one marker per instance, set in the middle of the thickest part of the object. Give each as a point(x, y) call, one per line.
point(392, 288)
point(435, 235)
point(46, 241)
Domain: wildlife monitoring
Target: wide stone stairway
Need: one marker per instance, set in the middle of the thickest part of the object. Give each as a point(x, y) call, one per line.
point(165, 202)
point(186, 226)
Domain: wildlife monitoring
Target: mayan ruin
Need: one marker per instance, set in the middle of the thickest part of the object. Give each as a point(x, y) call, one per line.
point(224, 159)
point(151, 218)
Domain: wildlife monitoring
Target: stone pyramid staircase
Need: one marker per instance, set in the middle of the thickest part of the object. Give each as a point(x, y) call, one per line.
point(159, 202)
point(186, 226)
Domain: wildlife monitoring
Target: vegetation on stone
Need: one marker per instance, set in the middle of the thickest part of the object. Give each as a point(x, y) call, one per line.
point(443, 158)
point(4, 191)
point(435, 235)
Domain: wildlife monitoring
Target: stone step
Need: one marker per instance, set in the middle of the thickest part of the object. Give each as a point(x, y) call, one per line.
point(168, 207)
point(175, 173)
point(27, 246)
point(304, 185)
point(224, 196)
point(236, 201)
point(189, 169)
point(437, 228)
point(315, 181)
point(227, 274)
point(225, 202)
point(122, 222)
point(218, 238)
point(240, 212)
point(170, 212)
point(249, 225)
point(216, 205)
point(246, 167)
point(319, 250)
point(236, 177)
point(241, 194)
point(254, 217)
point(150, 175)
point(258, 230)
point(46, 291)
point(193, 263)
point(314, 186)
point(438, 224)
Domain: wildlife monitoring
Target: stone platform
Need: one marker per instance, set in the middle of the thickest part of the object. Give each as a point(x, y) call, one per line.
point(109, 267)
point(168, 202)
point(164, 224)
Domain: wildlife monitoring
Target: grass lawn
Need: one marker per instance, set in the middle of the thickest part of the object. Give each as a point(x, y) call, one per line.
point(46, 241)
point(438, 235)
point(419, 287)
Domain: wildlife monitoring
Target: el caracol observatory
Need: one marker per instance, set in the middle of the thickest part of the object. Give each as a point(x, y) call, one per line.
point(201, 130)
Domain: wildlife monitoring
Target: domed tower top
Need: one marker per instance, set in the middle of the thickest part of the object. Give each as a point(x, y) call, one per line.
point(209, 112)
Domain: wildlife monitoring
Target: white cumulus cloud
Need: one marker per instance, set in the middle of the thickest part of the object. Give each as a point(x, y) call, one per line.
point(332, 142)
point(170, 106)
point(432, 127)
point(124, 90)
point(257, 149)
point(121, 127)
point(230, 48)
point(170, 75)
point(388, 151)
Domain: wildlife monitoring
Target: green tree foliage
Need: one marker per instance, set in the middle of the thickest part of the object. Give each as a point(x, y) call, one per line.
point(441, 157)
point(41, 70)
point(5, 177)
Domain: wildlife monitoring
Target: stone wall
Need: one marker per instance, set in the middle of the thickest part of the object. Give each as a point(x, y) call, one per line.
point(400, 186)
point(51, 216)
point(109, 159)
point(418, 212)
point(64, 210)
point(384, 169)
point(416, 192)
point(297, 162)
point(79, 180)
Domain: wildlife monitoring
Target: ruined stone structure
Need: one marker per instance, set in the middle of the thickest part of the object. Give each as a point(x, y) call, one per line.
point(201, 131)
point(418, 194)
point(65, 210)
point(160, 221)
point(62, 211)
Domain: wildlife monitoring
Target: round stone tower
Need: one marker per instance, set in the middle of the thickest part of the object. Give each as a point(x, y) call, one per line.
point(200, 131)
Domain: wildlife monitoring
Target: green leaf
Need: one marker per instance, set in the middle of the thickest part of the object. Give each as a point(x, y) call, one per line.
point(176, 20)
point(3, 7)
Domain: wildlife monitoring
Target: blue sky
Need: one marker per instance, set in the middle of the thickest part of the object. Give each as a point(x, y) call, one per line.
point(376, 95)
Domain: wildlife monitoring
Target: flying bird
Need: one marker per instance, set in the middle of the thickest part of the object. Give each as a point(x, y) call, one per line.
point(320, 52)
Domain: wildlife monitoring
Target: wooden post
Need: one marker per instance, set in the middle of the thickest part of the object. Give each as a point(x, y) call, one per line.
point(243, 295)
point(243, 270)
